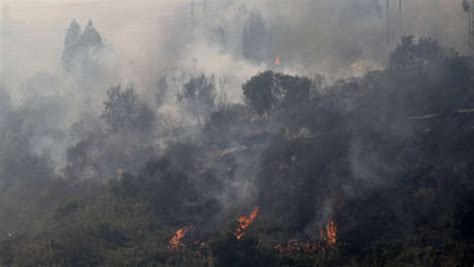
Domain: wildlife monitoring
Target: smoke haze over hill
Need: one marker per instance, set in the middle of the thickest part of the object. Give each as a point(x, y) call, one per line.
point(236, 133)
point(315, 36)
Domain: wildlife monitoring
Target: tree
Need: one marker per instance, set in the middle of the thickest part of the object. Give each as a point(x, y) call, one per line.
point(412, 54)
point(198, 95)
point(90, 38)
point(466, 6)
point(79, 46)
point(254, 36)
point(268, 91)
point(124, 111)
point(70, 43)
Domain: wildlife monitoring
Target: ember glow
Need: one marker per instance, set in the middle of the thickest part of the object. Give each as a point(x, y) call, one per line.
point(176, 241)
point(245, 222)
point(329, 233)
point(298, 247)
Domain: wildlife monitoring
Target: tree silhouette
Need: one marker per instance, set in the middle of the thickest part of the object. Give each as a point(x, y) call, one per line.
point(124, 111)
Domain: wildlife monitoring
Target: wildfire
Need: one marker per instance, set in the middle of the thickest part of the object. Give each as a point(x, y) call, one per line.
point(298, 247)
point(176, 240)
point(245, 222)
point(277, 61)
point(329, 233)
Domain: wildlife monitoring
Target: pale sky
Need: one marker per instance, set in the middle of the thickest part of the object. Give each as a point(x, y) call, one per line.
point(32, 32)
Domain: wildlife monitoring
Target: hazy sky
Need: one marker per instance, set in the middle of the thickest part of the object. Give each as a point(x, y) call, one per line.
point(32, 32)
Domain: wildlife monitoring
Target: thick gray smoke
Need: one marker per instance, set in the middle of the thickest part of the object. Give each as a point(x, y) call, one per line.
point(156, 47)
point(123, 121)
point(156, 36)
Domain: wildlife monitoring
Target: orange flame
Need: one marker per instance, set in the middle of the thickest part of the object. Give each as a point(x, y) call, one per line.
point(329, 233)
point(245, 222)
point(297, 247)
point(277, 61)
point(176, 240)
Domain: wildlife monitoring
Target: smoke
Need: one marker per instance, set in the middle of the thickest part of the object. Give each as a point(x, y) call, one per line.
point(310, 36)
point(230, 41)
point(157, 47)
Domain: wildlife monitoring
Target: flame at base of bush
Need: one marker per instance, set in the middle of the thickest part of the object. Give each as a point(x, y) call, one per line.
point(328, 239)
point(298, 247)
point(245, 222)
point(329, 233)
point(176, 240)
